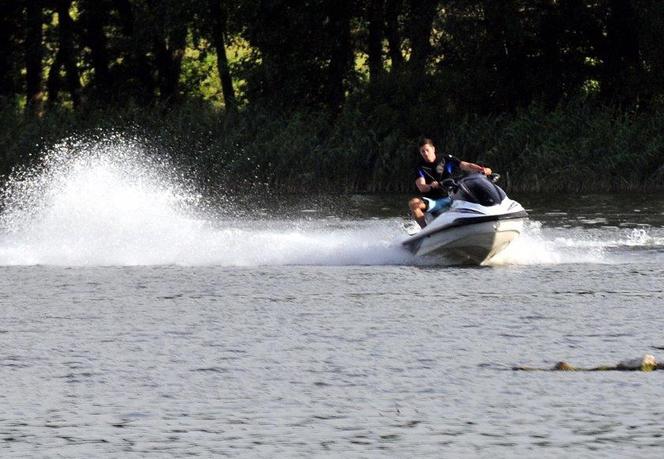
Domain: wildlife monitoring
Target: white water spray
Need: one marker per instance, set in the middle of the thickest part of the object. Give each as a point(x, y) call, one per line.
point(543, 246)
point(111, 203)
point(114, 202)
point(534, 247)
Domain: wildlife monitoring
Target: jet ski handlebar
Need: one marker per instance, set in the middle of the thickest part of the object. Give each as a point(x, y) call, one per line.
point(449, 184)
point(452, 186)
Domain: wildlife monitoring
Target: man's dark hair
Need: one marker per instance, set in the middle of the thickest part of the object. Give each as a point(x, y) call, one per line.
point(425, 141)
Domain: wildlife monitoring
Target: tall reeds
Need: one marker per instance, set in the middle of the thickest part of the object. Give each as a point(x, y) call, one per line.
point(571, 149)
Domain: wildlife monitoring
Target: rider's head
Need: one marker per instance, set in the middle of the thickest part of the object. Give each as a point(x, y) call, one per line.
point(427, 149)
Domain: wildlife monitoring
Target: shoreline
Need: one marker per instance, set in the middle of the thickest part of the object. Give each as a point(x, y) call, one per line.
point(571, 150)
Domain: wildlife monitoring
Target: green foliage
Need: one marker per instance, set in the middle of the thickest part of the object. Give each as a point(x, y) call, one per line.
point(199, 77)
point(549, 93)
point(367, 149)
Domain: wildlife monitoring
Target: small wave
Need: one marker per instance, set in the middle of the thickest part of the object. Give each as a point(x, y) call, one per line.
point(534, 246)
point(538, 245)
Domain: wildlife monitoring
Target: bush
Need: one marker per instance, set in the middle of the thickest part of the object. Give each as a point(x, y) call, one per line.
point(368, 147)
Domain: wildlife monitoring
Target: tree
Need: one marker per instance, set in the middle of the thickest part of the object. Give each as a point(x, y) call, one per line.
point(340, 52)
point(622, 70)
point(9, 17)
point(550, 62)
point(393, 34)
point(219, 19)
point(65, 57)
point(376, 19)
point(135, 26)
point(420, 23)
point(650, 23)
point(302, 53)
point(462, 56)
point(93, 18)
point(169, 20)
point(505, 54)
point(33, 56)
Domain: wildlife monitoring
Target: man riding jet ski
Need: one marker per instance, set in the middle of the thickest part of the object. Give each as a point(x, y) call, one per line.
point(431, 171)
point(472, 221)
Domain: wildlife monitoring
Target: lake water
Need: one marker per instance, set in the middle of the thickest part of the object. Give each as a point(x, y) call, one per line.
point(136, 322)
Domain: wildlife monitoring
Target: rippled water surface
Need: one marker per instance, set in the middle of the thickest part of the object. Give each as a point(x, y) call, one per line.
point(133, 325)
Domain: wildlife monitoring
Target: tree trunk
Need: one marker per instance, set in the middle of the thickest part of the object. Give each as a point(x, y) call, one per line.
point(422, 15)
point(219, 18)
point(33, 56)
point(621, 63)
point(169, 64)
point(392, 11)
point(93, 16)
point(9, 15)
point(506, 55)
point(550, 31)
point(341, 55)
point(375, 45)
point(140, 72)
point(126, 15)
point(53, 81)
point(66, 26)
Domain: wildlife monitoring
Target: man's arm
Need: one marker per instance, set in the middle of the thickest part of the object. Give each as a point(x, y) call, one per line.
point(472, 167)
point(421, 185)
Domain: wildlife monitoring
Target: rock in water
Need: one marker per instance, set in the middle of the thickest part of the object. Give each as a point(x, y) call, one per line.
point(645, 363)
point(563, 366)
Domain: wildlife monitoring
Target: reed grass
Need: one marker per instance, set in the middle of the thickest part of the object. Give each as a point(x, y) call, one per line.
point(368, 148)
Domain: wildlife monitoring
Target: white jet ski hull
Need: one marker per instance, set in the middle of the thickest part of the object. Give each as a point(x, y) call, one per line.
point(473, 243)
point(481, 222)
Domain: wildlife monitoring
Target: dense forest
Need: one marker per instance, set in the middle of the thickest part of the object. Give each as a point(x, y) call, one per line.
point(332, 94)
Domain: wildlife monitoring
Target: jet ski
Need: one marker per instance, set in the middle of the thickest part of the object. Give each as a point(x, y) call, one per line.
point(480, 222)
